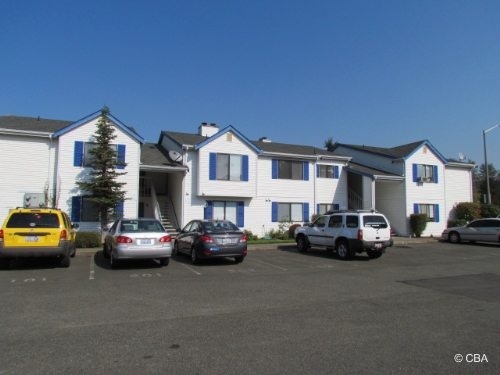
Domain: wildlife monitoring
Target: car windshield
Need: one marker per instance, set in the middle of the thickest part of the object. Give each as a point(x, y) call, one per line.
point(141, 226)
point(219, 226)
point(374, 221)
point(33, 220)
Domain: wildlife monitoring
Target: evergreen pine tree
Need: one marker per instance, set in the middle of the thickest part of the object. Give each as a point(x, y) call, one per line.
point(102, 185)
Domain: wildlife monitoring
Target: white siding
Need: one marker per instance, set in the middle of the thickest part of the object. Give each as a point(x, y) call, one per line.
point(69, 174)
point(26, 167)
point(458, 188)
point(227, 143)
point(426, 193)
point(390, 200)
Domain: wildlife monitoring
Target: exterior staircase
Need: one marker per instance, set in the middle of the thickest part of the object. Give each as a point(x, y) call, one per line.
point(168, 218)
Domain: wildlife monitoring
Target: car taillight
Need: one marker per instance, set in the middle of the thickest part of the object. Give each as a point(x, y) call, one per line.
point(1, 234)
point(243, 238)
point(166, 239)
point(123, 239)
point(360, 234)
point(64, 235)
point(207, 239)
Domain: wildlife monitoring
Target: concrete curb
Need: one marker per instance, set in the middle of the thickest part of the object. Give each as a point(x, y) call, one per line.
point(398, 241)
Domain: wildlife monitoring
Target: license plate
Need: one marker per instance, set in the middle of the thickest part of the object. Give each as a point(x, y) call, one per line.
point(32, 239)
point(226, 241)
point(378, 246)
point(145, 242)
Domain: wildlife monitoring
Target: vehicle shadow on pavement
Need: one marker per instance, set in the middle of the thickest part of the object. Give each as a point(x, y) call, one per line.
point(133, 264)
point(214, 262)
point(32, 264)
point(322, 253)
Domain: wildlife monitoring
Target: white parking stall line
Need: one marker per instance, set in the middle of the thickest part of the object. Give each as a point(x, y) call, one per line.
point(270, 264)
point(191, 269)
point(92, 269)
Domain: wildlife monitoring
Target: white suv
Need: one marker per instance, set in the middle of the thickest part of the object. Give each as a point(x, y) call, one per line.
point(348, 233)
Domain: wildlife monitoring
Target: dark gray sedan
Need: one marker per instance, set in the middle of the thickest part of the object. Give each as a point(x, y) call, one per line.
point(204, 239)
point(486, 230)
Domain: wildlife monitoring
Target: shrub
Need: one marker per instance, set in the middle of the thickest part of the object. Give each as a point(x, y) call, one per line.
point(467, 211)
point(291, 230)
point(250, 235)
point(88, 239)
point(418, 222)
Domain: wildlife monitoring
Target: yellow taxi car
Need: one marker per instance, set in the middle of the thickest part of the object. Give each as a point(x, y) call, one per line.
point(41, 232)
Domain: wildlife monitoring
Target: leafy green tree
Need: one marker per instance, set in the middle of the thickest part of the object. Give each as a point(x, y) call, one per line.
point(102, 185)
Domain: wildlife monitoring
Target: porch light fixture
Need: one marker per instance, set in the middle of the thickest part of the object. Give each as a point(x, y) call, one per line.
point(488, 193)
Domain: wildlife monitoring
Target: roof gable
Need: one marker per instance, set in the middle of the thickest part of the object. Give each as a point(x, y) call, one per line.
point(227, 129)
point(126, 129)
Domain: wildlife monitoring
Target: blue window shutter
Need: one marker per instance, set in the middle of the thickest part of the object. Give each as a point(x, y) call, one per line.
point(209, 210)
point(305, 214)
point(212, 168)
point(120, 156)
point(415, 208)
point(76, 204)
point(317, 209)
point(119, 210)
point(415, 172)
point(436, 213)
point(78, 154)
point(275, 169)
point(274, 212)
point(240, 214)
point(336, 206)
point(336, 171)
point(244, 168)
point(436, 174)
point(306, 171)
point(317, 170)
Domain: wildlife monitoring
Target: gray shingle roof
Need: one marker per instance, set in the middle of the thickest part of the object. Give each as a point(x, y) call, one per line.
point(393, 152)
point(32, 124)
point(154, 155)
point(273, 147)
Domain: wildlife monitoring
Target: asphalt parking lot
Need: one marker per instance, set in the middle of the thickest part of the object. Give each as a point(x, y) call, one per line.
point(422, 308)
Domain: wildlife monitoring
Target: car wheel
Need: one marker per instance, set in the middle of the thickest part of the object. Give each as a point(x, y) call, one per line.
point(374, 254)
point(105, 252)
point(112, 260)
point(194, 257)
point(65, 261)
point(302, 243)
point(164, 261)
point(343, 250)
point(175, 252)
point(238, 259)
point(4, 263)
point(454, 237)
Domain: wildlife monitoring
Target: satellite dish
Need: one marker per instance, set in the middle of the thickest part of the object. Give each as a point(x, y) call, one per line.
point(174, 155)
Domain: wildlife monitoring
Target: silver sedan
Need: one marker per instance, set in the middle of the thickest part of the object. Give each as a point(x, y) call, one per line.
point(487, 230)
point(137, 239)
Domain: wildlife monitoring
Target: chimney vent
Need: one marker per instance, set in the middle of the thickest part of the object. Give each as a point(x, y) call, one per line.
point(207, 130)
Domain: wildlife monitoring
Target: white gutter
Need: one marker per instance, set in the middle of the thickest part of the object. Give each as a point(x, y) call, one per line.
point(26, 132)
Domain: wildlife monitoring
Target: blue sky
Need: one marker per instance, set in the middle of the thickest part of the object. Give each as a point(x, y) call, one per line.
point(380, 73)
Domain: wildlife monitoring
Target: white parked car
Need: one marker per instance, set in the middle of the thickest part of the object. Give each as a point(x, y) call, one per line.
point(487, 230)
point(348, 233)
point(137, 239)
